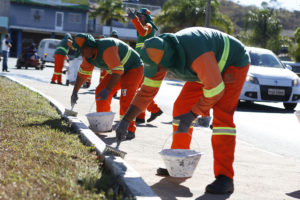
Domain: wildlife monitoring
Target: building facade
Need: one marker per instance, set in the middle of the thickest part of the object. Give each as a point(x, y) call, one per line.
point(33, 20)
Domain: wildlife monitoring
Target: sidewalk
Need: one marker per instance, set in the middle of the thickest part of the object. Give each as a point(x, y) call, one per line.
point(259, 175)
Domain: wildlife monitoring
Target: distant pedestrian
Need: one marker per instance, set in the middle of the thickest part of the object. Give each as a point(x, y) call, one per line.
point(6, 45)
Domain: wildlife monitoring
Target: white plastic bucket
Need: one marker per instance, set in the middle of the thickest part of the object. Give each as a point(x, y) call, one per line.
point(101, 121)
point(297, 113)
point(180, 162)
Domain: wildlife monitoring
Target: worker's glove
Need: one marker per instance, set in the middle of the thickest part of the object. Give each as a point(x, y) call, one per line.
point(185, 121)
point(74, 98)
point(121, 131)
point(204, 121)
point(103, 94)
point(131, 14)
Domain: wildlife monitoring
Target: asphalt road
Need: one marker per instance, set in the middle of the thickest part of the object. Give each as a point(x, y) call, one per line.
point(267, 126)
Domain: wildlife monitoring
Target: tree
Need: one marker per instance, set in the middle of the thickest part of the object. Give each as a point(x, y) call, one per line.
point(265, 26)
point(109, 10)
point(179, 14)
point(297, 38)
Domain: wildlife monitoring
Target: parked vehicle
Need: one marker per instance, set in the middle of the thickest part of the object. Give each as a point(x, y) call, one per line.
point(29, 58)
point(269, 80)
point(47, 48)
point(295, 67)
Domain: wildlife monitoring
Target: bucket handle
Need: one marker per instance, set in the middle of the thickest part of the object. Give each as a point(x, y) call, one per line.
point(186, 133)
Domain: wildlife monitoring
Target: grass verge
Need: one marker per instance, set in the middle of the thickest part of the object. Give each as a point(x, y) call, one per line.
point(40, 156)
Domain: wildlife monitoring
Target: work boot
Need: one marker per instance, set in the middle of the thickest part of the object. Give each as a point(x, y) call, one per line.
point(139, 120)
point(162, 172)
point(130, 135)
point(154, 116)
point(222, 185)
point(67, 82)
point(52, 82)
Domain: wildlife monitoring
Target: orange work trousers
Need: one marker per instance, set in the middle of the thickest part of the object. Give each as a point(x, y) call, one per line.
point(223, 143)
point(129, 83)
point(59, 61)
point(153, 107)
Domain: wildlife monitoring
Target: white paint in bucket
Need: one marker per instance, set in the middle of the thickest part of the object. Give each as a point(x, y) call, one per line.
point(180, 162)
point(100, 121)
point(297, 113)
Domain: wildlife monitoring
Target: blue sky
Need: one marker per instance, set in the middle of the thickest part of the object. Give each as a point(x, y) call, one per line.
point(286, 4)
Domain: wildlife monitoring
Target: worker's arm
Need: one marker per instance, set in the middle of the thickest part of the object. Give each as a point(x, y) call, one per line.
point(207, 69)
point(112, 59)
point(142, 30)
point(145, 95)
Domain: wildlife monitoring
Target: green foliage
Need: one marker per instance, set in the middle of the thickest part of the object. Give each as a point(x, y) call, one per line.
point(109, 10)
point(275, 44)
point(179, 14)
point(297, 35)
point(265, 26)
point(297, 53)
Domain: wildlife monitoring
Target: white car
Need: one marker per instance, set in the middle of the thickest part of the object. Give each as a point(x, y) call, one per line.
point(47, 48)
point(268, 80)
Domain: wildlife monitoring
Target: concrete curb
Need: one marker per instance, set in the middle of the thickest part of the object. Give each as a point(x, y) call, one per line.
point(126, 176)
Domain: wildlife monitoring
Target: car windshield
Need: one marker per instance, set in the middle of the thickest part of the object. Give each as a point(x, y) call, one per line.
point(264, 60)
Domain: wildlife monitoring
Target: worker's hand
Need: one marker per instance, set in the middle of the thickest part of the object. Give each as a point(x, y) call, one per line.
point(103, 94)
point(185, 121)
point(131, 13)
point(74, 98)
point(204, 121)
point(121, 131)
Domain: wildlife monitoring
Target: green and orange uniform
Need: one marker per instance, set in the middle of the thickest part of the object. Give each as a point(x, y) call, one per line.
point(115, 57)
point(145, 32)
point(60, 55)
point(214, 66)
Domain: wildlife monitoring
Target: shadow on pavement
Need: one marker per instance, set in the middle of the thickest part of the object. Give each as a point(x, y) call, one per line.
point(173, 186)
point(295, 194)
point(252, 107)
point(213, 197)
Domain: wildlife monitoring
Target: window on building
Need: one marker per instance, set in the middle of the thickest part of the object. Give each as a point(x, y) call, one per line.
point(59, 20)
point(74, 18)
point(37, 14)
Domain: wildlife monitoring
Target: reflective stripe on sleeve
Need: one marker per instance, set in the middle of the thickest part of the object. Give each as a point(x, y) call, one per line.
point(214, 91)
point(223, 60)
point(125, 59)
point(57, 73)
point(152, 83)
point(81, 71)
point(119, 68)
point(139, 45)
point(224, 131)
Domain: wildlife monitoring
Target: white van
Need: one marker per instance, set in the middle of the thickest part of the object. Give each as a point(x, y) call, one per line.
point(47, 48)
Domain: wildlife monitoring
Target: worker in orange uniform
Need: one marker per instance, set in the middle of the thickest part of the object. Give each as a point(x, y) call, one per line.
point(60, 55)
point(146, 28)
point(214, 66)
point(124, 67)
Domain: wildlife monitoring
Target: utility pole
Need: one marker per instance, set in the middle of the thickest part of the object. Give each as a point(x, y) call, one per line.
point(207, 14)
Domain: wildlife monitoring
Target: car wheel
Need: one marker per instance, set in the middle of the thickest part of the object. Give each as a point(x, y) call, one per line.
point(289, 106)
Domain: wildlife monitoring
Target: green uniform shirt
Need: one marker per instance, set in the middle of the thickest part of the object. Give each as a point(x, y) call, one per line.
point(62, 47)
point(128, 56)
point(188, 44)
